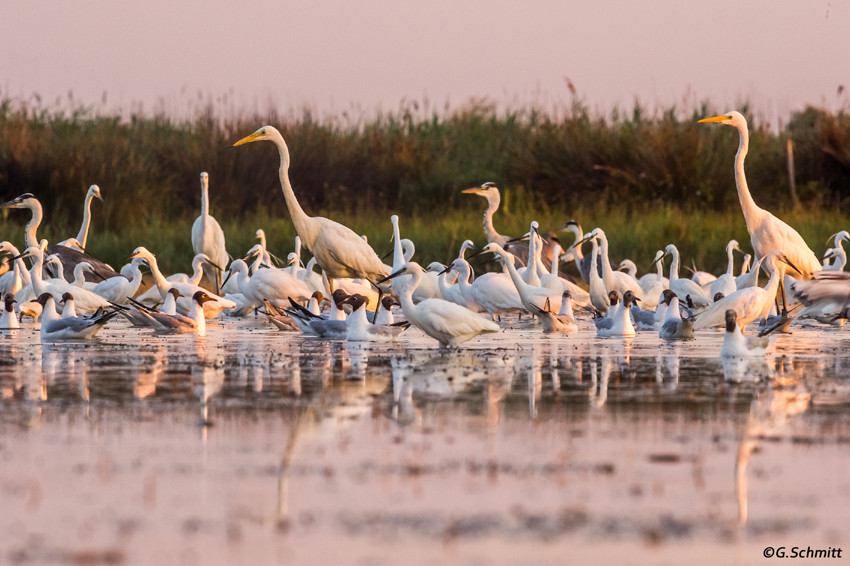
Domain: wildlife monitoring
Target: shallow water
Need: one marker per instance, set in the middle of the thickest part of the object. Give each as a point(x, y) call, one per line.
point(256, 446)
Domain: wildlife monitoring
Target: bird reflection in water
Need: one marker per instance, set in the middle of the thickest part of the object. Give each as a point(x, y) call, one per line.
point(770, 410)
point(667, 366)
point(207, 380)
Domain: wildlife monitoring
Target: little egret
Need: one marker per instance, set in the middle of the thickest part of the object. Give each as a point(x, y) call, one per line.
point(448, 323)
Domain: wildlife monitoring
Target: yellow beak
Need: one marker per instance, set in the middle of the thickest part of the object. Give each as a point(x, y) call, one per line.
point(715, 119)
point(248, 139)
point(473, 191)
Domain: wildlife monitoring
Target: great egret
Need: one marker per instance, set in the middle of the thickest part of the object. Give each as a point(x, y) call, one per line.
point(750, 303)
point(54, 328)
point(9, 318)
point(767, 232)
point(448, 323)
point(208, 238)
point(70, 256)
point(83, 234)
point(339, 251)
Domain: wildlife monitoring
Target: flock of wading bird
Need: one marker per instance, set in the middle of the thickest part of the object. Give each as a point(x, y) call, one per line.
point(74, 295)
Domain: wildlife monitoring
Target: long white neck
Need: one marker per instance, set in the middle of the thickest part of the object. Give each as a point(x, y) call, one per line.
point(607, 271)
point(730, 265)
point(406, 295)
point(160, 280)
point(83, 234)
point(556, 261)
point(35, 274)
point(32, 225)
point(508, 263)
point(398, 253)
point(674, 264)
point(197, 270)
point(296, 265)
point(304, 225)
point(79, 275)
point(752, 212)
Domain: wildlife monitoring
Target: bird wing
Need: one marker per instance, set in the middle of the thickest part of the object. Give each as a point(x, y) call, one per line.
point(342, 253)
point(741, 301)
point(824, 287)
point(449, 319)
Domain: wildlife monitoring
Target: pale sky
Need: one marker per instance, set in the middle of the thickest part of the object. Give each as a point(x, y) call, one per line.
point(365, 56)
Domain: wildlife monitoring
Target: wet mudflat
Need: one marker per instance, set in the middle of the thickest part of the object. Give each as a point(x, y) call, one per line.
point(255, 446)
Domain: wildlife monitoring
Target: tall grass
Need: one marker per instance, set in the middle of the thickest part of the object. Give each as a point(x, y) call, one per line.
point(647, 178)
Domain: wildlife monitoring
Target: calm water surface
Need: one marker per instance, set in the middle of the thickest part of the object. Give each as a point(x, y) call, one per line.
point(255, 446)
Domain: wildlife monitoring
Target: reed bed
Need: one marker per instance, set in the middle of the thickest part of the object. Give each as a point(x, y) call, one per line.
point(648, 179)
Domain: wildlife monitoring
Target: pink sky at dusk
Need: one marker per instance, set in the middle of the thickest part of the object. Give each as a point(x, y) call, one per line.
point(341, 55)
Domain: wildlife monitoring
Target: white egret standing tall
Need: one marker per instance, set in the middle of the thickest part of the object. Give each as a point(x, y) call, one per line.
point(208, 238)
point(767, 232)
point(338, 250)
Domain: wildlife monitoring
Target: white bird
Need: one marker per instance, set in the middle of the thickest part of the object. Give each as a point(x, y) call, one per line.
point(726, 283)
point(620, 323)
point(83, 235)
point(682, 286)
point(535, 299)
point(490, 192)
point(735, 344)
point(9, 318)
point(18, 277)
point(339, 251)
point(825, 295)
point(403, 250)
point(54, 328)
point(212, 305)
point(86, 301)
point(496, 294)
point(118, 290)
point(653, 284)
point(70, 256)
point(750, 303)
point(767, 232)
point(208, 238)
point(154, 296)
point(614, 280)
point(838, 255)
point(272, 284)
point(448, 323)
